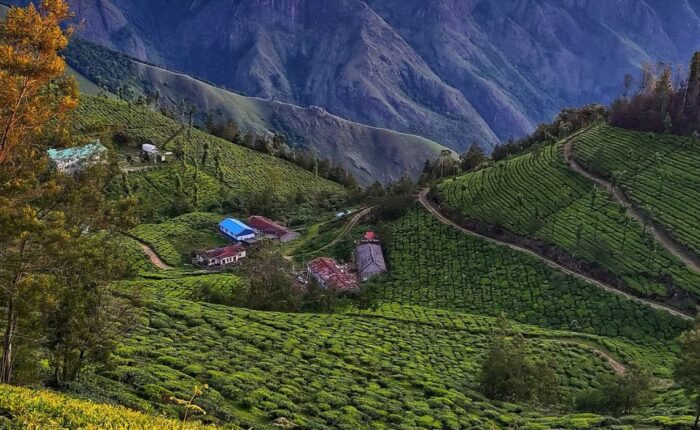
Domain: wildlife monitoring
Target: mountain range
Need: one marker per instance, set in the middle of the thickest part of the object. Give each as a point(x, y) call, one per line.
point(451, 71)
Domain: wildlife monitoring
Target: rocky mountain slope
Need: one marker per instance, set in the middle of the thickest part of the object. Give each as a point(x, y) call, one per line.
point(451, 70)
point(369, 153)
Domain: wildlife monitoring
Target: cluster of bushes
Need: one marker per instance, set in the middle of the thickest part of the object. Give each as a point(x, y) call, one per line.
point(662, 102)
point(349, 370)
point(567, 122)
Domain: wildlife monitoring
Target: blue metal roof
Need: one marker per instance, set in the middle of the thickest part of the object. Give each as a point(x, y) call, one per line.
point(79, 152)
point(235, 227)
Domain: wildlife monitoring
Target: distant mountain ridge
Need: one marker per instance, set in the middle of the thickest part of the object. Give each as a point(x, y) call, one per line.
point(452, 71)
point(449, 70)
point(369, 153)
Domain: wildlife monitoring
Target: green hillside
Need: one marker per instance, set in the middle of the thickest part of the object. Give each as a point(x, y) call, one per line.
point(659, 173)
point(538, 196)
point(174, 240)
point(409, 362)
point(436, 266)
point(394, 367)
point(228, 173)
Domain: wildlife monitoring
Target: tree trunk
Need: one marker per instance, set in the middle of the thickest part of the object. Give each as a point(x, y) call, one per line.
point(8, 340)
point(697, 421)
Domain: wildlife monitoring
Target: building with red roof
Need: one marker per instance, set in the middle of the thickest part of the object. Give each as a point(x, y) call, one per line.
point(332, 275)
point(269, 227)
point(221, 256)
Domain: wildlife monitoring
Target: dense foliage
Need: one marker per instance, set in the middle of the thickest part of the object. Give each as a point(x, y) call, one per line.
point(568, 121)
point(24, 408)
point(396, 367)
point(619, 394)
point(661, 102)
point(57, 247)
point(509, 373)
point(688, 368)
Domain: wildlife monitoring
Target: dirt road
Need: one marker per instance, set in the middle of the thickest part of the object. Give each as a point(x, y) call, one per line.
point(425, 201)
point(662, 237)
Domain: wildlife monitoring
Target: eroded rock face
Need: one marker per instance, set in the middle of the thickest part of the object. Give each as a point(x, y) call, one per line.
point(450, 70)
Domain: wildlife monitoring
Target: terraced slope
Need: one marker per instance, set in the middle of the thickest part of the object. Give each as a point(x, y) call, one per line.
point(659, 174)
point(410, 362)
point(437, 266)
point(206, 182)
point(535, 195)
point(29, 409)
point(395, 367)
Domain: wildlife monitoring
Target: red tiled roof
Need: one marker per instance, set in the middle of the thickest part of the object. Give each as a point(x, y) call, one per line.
point(267, 226)
point(331, 273)
point(228, 251)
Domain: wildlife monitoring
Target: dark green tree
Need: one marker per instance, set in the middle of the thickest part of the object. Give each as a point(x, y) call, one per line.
point(509, 374)
point(472, 158)
point(687, 371)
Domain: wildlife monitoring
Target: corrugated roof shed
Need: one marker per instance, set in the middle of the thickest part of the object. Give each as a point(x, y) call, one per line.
point(333, 275)
point(78, 152)
point(235, 228)
point(268, 226)
point(370, 259)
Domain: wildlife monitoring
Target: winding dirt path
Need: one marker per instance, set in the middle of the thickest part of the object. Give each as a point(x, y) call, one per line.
point(345, 230)
point(618, 367)
point(425, 201)
point(155, 259)
point(662, 237)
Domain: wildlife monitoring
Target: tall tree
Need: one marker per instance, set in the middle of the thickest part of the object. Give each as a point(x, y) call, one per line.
point(34, 95)
point(693, 87)
point(45, 216)
point(472, 158)
point(687, 370)
point(507, 372)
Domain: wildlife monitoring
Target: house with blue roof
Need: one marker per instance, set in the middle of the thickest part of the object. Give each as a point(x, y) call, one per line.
point(236, 230)
point(73, 160)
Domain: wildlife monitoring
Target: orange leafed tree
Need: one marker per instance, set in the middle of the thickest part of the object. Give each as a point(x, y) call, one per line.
point(34, 92)
point(35, 100)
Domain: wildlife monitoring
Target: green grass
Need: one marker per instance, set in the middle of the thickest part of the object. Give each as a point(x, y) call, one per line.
point(660, 174)
point(188, 285)
point(437, 266)
point(241, 171)
point(536, 195)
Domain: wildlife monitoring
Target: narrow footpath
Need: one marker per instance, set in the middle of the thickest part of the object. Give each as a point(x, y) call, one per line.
point(155, 259)
point(662, 237)
point(425, 201)
point(345, 230)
